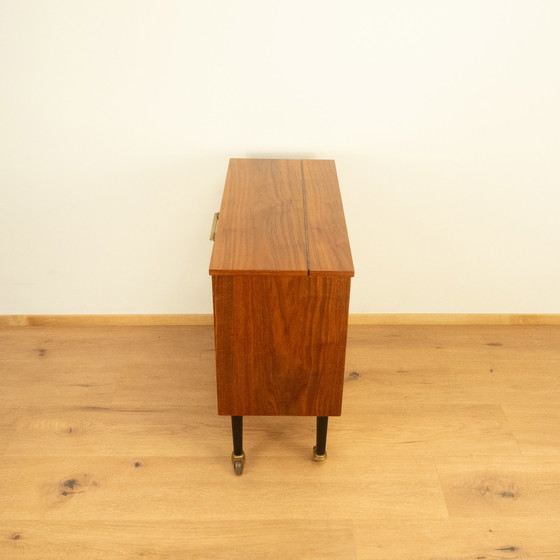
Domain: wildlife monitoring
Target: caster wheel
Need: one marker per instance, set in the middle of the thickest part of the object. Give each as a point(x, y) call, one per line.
point(238, 463)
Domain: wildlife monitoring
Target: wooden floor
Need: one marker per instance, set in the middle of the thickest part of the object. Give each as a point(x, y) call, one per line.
point(448, 449)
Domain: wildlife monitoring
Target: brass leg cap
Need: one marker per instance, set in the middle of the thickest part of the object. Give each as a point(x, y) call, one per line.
point(318, 457)
point(238, 463)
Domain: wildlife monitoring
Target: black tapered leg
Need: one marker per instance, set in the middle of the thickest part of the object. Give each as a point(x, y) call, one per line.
point(237, 430)
point(238, 456)
point(320, 450)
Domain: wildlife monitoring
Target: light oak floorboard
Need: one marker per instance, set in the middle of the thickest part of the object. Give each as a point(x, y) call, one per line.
point(536, 427)
point(501, 486)
point(182, 488)
point(448, 449)
point(491, 538)
point(172, 540)
point(453, 364)
point(406, 430)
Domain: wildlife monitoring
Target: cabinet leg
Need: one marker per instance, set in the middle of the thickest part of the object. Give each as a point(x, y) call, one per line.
point(320, 450)
point(238, 456)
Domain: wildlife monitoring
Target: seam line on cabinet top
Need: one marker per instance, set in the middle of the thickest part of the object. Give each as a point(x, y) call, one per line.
point(305, 222)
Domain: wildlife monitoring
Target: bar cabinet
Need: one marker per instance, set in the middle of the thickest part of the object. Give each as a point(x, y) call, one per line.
point(281, 267)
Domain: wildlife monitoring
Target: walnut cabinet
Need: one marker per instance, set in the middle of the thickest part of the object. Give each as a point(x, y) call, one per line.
point(281, 267)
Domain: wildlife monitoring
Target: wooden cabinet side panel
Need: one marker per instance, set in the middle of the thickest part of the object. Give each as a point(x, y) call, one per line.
point(280, 344)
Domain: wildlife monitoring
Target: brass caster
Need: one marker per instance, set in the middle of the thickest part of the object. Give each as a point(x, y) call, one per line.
point(238, 463)
point(316, 457)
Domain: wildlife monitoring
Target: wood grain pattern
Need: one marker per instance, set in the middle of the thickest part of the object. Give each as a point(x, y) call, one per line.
point(536, 426)
point(261, 229)
point(328, 245)
point(110, 430)
point(280, 344)
point(281, 217)
point(501, 486)
point(180, 487)
point(458, 539)
point(280, 330)
point(439, 365)
point(174, 540)
point(401, 429)
point(422, 464)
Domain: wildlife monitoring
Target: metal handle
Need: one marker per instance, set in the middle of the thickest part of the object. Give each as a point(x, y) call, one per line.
point(214, 226)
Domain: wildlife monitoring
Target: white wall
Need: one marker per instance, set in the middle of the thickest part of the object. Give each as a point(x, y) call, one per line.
point(117, 119)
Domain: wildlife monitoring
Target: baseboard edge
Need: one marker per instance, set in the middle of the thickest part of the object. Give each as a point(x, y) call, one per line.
point(388, 319)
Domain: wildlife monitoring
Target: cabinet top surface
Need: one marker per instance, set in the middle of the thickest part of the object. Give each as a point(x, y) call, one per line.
point(281, 216)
